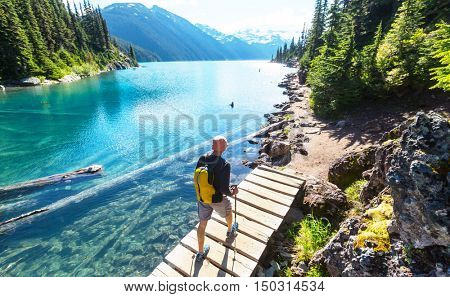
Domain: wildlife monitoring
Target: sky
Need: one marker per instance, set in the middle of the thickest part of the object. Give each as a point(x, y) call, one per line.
point(230, 16)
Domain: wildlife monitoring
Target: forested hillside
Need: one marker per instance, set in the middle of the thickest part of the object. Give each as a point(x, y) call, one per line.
point(361, 50)
point(51, 39)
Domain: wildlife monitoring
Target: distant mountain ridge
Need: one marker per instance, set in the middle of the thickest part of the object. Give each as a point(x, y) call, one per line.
point(157, 32)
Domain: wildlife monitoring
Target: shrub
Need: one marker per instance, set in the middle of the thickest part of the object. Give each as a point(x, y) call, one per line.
point(316, 271)
point(312, 236)
point(286, 272)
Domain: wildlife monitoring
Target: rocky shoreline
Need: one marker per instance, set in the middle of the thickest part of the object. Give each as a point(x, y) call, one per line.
point(35, 81)
point(405, 191)
point(283, 135)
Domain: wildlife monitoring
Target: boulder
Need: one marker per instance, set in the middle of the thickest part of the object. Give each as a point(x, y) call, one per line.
point(69, 78)
point(30, 81)
point(278, 149)
point(341, 258)
point(341, 124)
point(349, 168)
point(377, 175)
point(324, 199)
point(419, 179)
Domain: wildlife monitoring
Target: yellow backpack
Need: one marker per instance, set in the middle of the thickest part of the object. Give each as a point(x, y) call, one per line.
point(203, 188)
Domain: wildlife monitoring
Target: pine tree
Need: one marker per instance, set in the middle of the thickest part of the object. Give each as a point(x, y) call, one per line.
point(441, 52)
point(132, 56)
point(370, 75)
point(16, 58)
point(403, 56)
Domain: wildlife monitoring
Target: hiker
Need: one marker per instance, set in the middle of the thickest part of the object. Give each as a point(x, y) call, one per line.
point(232, 104)
point(212, 185)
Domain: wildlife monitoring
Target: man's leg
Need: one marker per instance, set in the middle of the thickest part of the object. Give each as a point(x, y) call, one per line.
point(201, 235)
point(229, 218)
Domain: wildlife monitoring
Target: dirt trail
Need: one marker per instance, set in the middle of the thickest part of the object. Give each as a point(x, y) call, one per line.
point(363, 127)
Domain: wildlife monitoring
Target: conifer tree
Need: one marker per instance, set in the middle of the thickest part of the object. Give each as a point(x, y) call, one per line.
point(441, 52)
point(403, 56)
point(15, 50)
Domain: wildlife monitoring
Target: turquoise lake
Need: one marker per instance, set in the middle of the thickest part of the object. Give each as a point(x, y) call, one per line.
point(146, 127)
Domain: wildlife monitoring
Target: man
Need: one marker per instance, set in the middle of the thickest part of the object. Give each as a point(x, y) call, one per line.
point(220, 202)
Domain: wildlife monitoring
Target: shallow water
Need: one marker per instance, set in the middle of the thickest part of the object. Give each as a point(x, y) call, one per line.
point(147, 127)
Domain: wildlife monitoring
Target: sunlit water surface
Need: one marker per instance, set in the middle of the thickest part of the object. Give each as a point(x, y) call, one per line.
point(147, 127)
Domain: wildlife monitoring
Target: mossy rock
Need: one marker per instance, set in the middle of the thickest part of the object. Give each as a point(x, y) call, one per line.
point(375, 234)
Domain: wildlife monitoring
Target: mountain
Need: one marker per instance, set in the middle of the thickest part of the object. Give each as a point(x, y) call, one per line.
point(236, 47)
point(142, 54)
point(265, 41)
point(158, 32)
point(163, 33)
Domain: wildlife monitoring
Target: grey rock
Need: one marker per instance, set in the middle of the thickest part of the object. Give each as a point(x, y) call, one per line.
point(341, 124)
point(349, 168)
point(323, 199)
point(30, 81)
point(278, 149)
point(419, 178)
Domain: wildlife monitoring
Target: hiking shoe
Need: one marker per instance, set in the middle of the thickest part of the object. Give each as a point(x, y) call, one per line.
point(234, 230)
point(200, 257)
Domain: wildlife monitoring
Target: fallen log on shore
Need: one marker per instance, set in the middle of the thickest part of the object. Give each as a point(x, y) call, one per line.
point(33, 185)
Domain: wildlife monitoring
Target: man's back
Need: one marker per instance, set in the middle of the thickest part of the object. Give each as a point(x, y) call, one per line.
point(220, 174)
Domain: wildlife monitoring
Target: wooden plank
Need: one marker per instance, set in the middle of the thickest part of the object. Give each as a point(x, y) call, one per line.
point(277, 177)
point(157, 273)
point(164, 270)
point(248, 227)
point(282, 172)
point(266, 193)
point(184, 260)
point(258, 216)
point(245, 245)
point(263, 204)
point(223, 257)
point(272, 185)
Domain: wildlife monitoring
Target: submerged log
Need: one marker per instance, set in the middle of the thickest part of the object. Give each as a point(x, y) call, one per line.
point(33, 185)
point(24, 216)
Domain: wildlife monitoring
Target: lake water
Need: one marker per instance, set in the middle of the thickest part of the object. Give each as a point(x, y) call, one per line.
point(147, 127)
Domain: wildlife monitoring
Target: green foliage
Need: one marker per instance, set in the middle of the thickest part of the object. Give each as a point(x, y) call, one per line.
point(45, 38)
point(404, 55)
point(312, 236)
point(292, 231)
point(371, 49)
point(85, 69)
point(354, 190)
point(441, 51)
point(316, 271)
point(286, 272)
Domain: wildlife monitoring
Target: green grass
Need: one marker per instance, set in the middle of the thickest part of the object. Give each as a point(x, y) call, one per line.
point(288, 117)
point(316, 271)
point(311, 237)
point(354, 190)
point(286, 272)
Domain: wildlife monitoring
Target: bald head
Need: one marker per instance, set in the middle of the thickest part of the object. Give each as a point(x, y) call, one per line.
point(219, 145)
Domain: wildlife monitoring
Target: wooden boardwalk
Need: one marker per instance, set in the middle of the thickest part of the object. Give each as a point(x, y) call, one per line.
point(265, 197)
